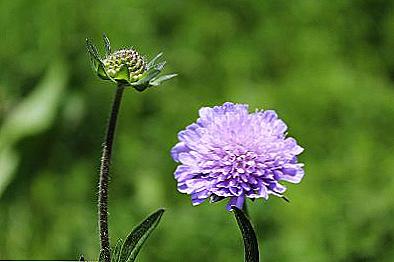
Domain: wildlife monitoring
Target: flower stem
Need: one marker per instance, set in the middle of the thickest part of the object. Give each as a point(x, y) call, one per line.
point(245, 208)
point(251, 246)
point(105, 252)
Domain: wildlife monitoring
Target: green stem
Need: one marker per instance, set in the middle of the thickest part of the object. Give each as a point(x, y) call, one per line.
point(105, 252)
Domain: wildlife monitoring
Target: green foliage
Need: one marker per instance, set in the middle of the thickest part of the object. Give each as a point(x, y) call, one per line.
point(116, 250)
point(32, 115)
point(136, 239)
point(326, 66)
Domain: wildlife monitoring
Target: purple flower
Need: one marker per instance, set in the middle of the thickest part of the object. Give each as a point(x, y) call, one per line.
point(230, 152)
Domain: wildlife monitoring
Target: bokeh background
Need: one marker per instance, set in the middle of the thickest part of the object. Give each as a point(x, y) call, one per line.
point(327, 68)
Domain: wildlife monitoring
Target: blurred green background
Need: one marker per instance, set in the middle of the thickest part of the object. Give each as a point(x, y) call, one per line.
point(327, 67)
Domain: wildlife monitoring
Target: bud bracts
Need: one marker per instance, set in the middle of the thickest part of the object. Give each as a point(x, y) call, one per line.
point(127, 67)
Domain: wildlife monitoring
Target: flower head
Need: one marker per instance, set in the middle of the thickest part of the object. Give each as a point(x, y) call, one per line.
point(126, 67)
point(232, 153)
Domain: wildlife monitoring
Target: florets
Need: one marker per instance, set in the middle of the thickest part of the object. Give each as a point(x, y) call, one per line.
point(230, 153)
point(125, 58)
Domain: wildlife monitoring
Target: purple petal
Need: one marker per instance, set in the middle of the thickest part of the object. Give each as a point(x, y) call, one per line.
point(187, 159)
point(293, 177)
point(231, 153)
point(236, 201)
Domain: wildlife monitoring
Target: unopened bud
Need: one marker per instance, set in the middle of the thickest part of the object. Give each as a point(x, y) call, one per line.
point(127, 67)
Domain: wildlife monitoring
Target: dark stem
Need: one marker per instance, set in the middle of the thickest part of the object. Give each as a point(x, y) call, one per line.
point(251, 246)
point(105, 252)
point(245, 208)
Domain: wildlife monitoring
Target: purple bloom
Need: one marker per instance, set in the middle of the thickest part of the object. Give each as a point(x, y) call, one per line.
point(230, 152)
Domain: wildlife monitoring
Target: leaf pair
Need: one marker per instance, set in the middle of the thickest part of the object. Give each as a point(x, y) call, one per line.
point(127, 251)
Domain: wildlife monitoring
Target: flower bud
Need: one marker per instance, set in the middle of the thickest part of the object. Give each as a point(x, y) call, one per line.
point(126, 67)
point(128, 58)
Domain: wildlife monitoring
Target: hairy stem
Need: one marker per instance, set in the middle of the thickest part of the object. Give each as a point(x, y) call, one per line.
point(251, 246)
point(105, 252)
point(245, 208)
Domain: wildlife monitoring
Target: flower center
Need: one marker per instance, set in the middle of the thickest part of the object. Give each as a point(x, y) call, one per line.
point(128, 58)
point(241, 163)
point(238, 173)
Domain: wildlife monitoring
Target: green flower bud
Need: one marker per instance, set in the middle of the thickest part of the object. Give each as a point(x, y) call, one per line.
point(128, 58)
point(127, 67)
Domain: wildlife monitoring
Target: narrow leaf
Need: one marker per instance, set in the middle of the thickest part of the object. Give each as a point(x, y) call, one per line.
point(249, 236)
point(286, 199)
point(34, 114)
point(94, 56)
point(116, 251)
point(107, 44)
point(160, 66)
point(157, 81)
point(92, 49)
point(137, 237)
point(102, 74)
point(153, 61)
point(146, 78)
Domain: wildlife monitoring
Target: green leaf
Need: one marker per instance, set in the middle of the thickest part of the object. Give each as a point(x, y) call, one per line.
point(116, 251)
point(107, 44)
point(102, 74)
point(153, 61)
point(147, 77)
point(286, 199)
point(92, 49)
point(160, 66)
point(123, 74)
point(37, 111)
point(32, 115)
point(250, 241)
point(94, 55)
point(9, 161)
point(137, 237)
point(157, 81)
